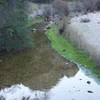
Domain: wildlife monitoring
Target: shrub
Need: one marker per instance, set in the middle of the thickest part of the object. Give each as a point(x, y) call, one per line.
point(61, 7)
point(14, 33)
point(91, 5)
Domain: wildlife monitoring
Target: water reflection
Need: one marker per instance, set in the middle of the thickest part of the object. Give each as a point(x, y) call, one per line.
point(38, 68)
point(50, 76)
point(79, 87)
point(40, 76)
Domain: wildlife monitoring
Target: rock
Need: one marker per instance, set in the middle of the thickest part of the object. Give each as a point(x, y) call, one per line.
point(66, 63)
point(85, 20)
point(90, 91)
point(34, 29)
point(88, 82)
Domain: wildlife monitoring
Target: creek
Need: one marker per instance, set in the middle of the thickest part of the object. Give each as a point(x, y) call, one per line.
point(45, 75)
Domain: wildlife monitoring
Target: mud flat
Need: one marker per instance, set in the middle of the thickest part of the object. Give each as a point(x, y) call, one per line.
point(84, 31)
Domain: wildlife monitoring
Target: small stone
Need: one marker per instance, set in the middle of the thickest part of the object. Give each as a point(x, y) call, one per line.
point(88, 82)
point(66, 63)
point(78, 90)
point(90, 91)
point(85, 20)
point(33, 29)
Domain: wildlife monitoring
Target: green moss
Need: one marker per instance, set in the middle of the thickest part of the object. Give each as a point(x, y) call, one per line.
point(66, 49)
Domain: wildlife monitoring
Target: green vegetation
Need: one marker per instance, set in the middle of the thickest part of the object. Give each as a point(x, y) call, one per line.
point(14, 35)
point(66, 49)
point(35, 65)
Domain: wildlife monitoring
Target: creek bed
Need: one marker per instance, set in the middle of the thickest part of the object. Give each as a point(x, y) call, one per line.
point(48, 75)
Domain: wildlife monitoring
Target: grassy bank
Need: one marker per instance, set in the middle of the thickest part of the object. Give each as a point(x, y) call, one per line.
point(66, 49)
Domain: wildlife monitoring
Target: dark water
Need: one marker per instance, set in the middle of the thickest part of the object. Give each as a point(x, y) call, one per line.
point(44, 70)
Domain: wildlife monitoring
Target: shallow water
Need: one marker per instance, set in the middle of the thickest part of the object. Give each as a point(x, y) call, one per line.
point(78, 87)
point(37, 68)
point(48, 75)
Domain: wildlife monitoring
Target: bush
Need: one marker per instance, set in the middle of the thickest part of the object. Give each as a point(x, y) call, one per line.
point(61, 7)
point(14, 33)
point(91, 5)
point(98, 5)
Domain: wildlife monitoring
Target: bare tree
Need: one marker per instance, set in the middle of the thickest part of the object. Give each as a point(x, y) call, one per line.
point(91, 5)
point(48, 12)
point(61, 9)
